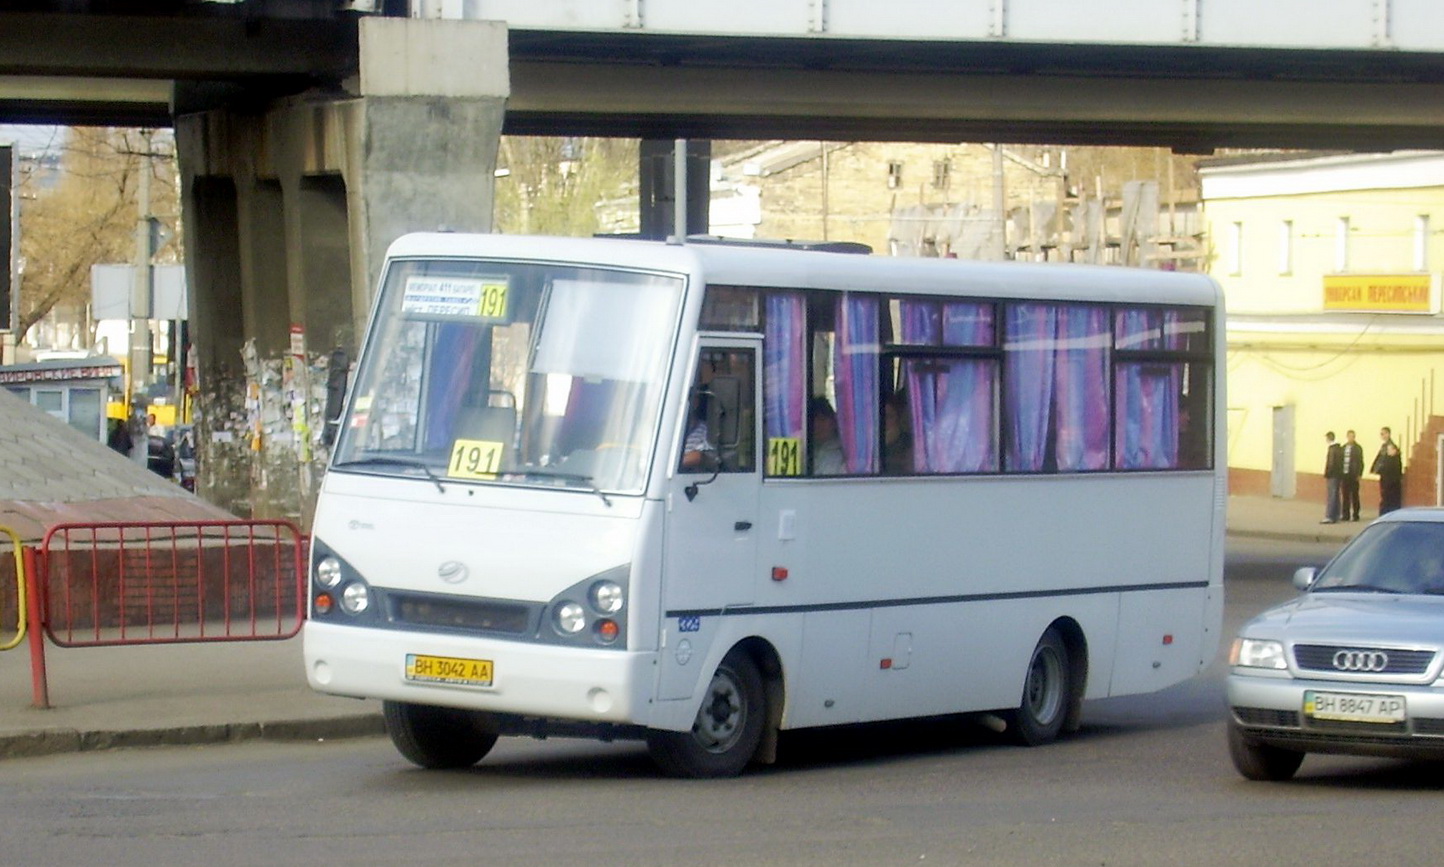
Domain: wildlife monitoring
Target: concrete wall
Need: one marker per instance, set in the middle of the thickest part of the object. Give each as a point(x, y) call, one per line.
point(291, 207)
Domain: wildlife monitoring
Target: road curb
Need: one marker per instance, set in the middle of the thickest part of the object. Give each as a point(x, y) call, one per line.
point(1279, 536)
point(55, 741)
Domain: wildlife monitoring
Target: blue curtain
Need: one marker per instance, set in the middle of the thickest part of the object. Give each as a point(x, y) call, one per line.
point(951, 403)
point(1146, 436)
point(855, 371)
point(784, 366)
point(1082, 389)
point(1028, 361)
point(452, 359)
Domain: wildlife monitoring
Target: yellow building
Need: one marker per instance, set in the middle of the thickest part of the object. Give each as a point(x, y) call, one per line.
point(1330, 266)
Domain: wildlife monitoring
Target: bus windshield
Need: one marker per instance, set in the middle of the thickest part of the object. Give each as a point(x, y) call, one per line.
point(512, 373)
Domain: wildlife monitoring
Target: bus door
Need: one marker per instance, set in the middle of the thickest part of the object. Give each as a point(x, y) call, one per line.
point(712, 505)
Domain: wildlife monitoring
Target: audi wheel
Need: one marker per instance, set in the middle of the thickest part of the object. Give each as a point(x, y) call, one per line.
point(1260, 761)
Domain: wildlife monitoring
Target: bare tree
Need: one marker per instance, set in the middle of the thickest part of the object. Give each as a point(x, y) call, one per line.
point(86, 215)
point(551, 186)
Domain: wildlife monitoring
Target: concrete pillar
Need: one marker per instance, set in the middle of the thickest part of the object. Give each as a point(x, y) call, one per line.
point(289, 209)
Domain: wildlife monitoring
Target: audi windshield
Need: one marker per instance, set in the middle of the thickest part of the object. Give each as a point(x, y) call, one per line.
point(492, 372)
point(1389, 558)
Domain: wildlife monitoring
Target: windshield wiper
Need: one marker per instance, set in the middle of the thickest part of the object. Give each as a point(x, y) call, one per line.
point(396, 462)
point(1357, 588)
point(553, 474)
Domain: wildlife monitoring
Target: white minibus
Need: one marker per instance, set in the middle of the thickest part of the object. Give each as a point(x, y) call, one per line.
point(699, 493)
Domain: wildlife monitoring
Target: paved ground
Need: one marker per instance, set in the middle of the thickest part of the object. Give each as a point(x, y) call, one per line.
point(205, 693)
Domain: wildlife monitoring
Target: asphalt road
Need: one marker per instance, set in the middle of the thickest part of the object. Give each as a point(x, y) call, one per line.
point(1146, 782)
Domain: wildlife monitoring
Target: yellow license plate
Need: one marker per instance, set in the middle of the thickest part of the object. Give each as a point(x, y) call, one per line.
point(448, 669)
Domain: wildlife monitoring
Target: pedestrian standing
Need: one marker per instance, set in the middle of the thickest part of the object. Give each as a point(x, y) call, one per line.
point(1333, 475)
point(1349, 483)
point(1389, 467)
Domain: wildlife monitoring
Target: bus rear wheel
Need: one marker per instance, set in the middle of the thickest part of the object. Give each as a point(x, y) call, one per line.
point(727, 731)
point(438, 737)
point(1046, 693)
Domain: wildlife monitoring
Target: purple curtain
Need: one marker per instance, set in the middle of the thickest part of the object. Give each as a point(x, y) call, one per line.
point(951, 402)
point(1082, 389)
point(855, 371)
point(1146, 436)
point(1028, 356)
point(784, 366)
point(1138, 329)
point(452, 359)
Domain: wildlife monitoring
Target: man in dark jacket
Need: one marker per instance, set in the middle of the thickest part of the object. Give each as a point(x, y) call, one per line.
point(1349, 483)
point(1333, 475)
point(1389, 467)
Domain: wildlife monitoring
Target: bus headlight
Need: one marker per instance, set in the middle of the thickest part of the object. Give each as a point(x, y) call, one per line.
point(569, 618)
point(356, 598)
point(328, 572)
point(607, 597)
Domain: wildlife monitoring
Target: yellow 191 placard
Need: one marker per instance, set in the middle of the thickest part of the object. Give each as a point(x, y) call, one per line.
point(784, 456)
point(493, 300)
point(474, 459)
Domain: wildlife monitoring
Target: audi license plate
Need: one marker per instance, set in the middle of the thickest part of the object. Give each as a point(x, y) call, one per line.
point(448, 669)
point(1353, 707)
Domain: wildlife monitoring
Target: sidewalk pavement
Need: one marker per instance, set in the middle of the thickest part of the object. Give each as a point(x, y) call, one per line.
point(213, 693)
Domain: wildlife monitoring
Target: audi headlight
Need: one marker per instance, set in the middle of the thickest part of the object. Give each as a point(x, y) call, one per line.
point(1257, 653)
point(356, 598)
point(569, 618)
point(328, 572)
point(607, 597)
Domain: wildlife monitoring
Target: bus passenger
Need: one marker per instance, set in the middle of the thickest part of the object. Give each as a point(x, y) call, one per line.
point(699, 455)
point(897, 441)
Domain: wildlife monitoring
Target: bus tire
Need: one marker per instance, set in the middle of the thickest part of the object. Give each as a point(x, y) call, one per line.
point(727, 731)
point(438, 737)
point(1256, 761)
point(1046, 693)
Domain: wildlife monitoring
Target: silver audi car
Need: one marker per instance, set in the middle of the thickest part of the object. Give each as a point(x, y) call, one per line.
point(1355, 664)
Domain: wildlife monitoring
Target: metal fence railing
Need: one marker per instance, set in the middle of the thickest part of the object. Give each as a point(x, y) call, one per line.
point(168, 582)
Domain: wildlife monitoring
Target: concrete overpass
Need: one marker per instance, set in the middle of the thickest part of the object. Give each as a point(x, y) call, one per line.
point(312, 132)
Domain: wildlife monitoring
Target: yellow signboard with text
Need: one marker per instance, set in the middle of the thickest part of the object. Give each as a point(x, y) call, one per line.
point(1379, 293)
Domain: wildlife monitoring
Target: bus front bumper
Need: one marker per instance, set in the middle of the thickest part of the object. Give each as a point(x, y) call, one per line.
point(527, 679)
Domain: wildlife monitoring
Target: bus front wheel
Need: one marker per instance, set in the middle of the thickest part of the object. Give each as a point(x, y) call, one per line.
point(728, 729)
point(1046, 693)
point(438, 737)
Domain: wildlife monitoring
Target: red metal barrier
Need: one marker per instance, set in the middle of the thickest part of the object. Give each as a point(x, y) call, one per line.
point(171, 582)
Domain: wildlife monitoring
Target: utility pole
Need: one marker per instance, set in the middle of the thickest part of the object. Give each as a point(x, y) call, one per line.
point(1000, 215)
point(140, 295)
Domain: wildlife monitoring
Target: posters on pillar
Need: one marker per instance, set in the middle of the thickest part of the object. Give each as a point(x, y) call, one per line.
point(295, 387)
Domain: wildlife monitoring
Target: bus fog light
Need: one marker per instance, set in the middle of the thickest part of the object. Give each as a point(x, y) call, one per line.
point(606, 631)
point(356, 598)
point(328, 572)
point(607, 597)
point(570, 618)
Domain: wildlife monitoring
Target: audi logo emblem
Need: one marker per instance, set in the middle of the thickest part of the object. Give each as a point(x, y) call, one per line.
point(1361, 660)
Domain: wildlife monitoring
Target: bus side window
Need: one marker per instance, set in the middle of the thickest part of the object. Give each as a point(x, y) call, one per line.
point(721, 420)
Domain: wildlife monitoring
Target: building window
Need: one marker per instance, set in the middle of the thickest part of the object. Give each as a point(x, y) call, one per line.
point(1421, 242)
point(1234, 250)
point(942, 169)
point(894, 175)
point(1341, 245)
point(1286, 247)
